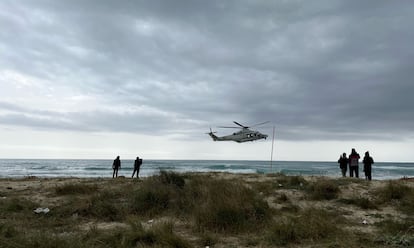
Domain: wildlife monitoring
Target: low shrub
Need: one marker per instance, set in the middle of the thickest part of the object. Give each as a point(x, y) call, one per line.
point(310, 224)
point(283, 198)
point(395, 227)
point(265, 188)
point(151, 199)
point(407, 203)
point(297, 181)
point(208, 239)
point(397, 233)
point(7, 231)
point(393, 191)
point(16, 205)
point(71, 189)
point(291, 182)
point(159, 235)
point(41, 239)
point(361, 202)
point(323, 190)
point(172, 178)
point(230, 206)
point(103, 206)
point(399, 192)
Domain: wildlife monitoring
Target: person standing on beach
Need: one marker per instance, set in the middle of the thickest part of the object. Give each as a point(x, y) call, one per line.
point(343, 164)
point(137, 166)
point(368, 161)
point(354, 163)
point(115, 166)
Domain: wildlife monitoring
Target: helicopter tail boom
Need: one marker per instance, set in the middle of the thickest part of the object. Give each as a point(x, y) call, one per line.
point(212, 135)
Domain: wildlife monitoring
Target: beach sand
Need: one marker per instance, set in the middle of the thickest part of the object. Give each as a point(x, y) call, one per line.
point(282, 196)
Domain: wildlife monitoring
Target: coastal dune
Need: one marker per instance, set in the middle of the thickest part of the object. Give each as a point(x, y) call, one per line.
point(206, 210)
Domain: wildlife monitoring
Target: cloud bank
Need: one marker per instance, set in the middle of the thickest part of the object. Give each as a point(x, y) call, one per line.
point(321, 70)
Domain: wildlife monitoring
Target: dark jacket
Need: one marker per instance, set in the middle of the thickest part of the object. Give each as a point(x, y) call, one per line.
point(116, 164)
point(343, 162)
point(137, 163)
point(368, 161)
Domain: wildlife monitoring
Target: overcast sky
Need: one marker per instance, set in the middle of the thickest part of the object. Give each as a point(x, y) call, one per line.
point(96, 79)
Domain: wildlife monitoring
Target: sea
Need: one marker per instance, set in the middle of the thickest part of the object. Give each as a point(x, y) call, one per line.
point(100, 168)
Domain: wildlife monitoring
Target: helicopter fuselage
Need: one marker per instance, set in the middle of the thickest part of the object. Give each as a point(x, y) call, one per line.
point(243, 135)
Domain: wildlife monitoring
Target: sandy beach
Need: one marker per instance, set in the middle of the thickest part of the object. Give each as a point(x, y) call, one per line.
point(363, 213)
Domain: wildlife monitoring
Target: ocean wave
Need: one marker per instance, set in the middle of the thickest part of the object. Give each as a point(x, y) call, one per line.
point(102, 168)
point(393, 167)
point(96, 168)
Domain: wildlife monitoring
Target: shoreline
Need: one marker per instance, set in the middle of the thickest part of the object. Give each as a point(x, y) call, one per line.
point(98, 169)
point(408, 178)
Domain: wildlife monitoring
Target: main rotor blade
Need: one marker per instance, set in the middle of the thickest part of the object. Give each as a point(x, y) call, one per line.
point(228, 127)
point(235, 122)
point(260, 124)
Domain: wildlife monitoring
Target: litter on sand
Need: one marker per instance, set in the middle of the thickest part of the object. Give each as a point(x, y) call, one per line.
point(41, 210)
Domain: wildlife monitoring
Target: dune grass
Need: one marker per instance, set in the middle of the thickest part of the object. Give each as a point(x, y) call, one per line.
point(196, 210)
point(324, 189)
point(134, 235)
point(361, 202)
point(397, 233)
point(399, 193)
point(394, 190)
point(70, 189)
point(225, 206)
point(310, 224)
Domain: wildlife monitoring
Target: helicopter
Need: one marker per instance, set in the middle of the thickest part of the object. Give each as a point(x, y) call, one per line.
point(245, 134)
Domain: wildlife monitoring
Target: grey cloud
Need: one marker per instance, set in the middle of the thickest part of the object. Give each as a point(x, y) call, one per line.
point(109, 120)
point(320, 70)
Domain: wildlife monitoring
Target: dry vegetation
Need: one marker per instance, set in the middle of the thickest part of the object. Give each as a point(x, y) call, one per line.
point(207, 209)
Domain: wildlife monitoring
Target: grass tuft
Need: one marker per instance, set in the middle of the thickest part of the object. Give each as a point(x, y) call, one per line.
point(230, 207)
point(311, 224)
point(399, 192)
point(393, 191)
point(291, 182)
point(323, 189)
point(208, 239)
point(16, 205)
point(172, 178)
point(159, 235)
point(72, 189)
point(361, 202)
point(103, 205)
point(397, 233)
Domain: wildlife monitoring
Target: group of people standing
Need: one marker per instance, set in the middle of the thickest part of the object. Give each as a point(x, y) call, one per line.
point(353, 162)
point(116, 165)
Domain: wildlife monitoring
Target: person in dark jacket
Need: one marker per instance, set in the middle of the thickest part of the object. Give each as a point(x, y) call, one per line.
point(354, 163)
point(368, 161)
point(343, 164)
point(115, 166)
point(137, 166)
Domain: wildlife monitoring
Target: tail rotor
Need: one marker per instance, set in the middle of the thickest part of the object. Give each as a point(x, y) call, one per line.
point(212, 134)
